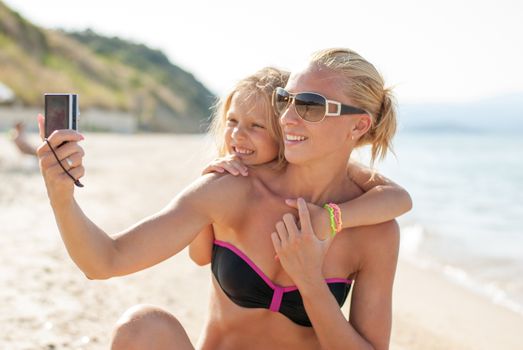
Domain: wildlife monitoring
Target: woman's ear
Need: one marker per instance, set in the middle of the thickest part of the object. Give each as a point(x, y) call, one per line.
point(361, 126)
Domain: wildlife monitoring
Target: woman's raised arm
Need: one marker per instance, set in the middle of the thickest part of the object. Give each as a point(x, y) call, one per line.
point(150, 241)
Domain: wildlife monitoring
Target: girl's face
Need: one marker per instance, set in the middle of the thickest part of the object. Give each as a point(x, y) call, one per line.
point(246, 130)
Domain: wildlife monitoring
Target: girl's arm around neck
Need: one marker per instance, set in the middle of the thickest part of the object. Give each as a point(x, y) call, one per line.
point(382, 201)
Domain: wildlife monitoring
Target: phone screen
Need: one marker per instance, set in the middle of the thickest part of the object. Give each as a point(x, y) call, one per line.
point(56, 113)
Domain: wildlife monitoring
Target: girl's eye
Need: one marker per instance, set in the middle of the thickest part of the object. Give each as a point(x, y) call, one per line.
point(258, 126)
point(232, 120)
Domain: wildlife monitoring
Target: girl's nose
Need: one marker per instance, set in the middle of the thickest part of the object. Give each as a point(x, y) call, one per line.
point(238, 133)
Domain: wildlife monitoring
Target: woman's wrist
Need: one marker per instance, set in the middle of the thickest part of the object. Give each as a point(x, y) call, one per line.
point(311, 285)
point(59, 203)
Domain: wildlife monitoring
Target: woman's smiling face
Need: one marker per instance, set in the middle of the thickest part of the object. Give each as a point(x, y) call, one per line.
point(305, 141)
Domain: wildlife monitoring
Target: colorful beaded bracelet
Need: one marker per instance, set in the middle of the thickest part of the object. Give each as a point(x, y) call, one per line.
point(335, 218)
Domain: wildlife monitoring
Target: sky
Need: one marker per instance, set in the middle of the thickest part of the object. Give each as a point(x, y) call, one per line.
point(429, 51)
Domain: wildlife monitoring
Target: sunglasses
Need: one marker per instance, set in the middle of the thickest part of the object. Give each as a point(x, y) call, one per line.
point(311, 106)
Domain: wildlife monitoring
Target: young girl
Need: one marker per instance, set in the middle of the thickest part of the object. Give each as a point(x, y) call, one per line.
point(248, 134)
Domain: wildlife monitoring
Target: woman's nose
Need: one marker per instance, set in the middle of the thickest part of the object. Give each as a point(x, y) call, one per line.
point(289, 116)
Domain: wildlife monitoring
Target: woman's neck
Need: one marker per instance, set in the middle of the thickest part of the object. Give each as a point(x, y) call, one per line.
point(319, 181)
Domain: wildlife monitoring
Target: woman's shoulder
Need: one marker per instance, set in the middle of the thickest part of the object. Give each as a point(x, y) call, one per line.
point(375, 242)
point(221, 186)
point(216, 195)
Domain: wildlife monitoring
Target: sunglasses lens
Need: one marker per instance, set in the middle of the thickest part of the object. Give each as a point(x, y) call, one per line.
point(280, 100)
point(310, 106)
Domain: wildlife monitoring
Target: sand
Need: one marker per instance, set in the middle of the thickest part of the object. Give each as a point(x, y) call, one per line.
point(47, 303)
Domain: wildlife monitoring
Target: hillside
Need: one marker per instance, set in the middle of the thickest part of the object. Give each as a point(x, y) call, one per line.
point(108, 73)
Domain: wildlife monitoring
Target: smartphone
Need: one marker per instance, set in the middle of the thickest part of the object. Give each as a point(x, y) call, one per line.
point(61, 112)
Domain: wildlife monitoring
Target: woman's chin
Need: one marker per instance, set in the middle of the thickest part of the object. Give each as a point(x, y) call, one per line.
point(295, 158)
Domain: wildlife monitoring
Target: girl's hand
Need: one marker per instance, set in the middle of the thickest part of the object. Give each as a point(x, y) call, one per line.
point(300, 252)
point(319, 217)
point(230, 163)
point(59, 185)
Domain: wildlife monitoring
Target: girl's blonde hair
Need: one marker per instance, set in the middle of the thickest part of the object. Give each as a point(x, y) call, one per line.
point(365, 87)
point(259, 88)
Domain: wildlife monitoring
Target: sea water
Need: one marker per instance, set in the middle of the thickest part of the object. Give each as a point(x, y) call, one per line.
point(467, 219)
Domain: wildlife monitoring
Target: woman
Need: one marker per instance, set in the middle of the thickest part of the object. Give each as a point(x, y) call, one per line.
point(317, 149)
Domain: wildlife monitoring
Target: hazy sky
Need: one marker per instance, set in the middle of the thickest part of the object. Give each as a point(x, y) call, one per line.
point(446, 50)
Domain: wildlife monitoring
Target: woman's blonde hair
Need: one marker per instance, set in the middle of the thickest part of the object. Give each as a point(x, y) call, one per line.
point(259, 88)
point(365, 87)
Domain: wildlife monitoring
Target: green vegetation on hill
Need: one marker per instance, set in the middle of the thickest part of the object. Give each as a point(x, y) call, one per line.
point(108, 73)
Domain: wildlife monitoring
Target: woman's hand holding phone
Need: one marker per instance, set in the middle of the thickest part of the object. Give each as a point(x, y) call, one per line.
point(69, 152)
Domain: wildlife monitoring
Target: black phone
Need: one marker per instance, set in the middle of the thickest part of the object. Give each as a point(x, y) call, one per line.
point(61, 112)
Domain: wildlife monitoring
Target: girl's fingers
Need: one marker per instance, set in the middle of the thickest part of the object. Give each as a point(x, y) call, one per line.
point(290, 224)
point(230, 164)
point(207, 170)
point(231, 169)
point(238, 165)
point(305, 217)
point(212, 169)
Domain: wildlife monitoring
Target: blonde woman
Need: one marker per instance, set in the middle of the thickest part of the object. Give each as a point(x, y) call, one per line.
point(338, 102)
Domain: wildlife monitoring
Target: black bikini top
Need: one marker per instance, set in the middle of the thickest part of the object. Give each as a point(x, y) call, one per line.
point(247, 286)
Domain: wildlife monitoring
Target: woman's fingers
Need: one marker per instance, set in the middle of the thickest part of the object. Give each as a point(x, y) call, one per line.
point(276, 242)
point(67, 150)
point(56, 174)
point(293, 203)
point(77, 172)
point(303, 214)
point(60, 136)
point(63, 142)
point(291, 227)
point(41, 126)
point(73, 160)
point(305, 217)
point(282, 233)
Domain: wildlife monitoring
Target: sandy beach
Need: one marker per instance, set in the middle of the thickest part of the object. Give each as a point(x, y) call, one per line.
point(47, 303)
